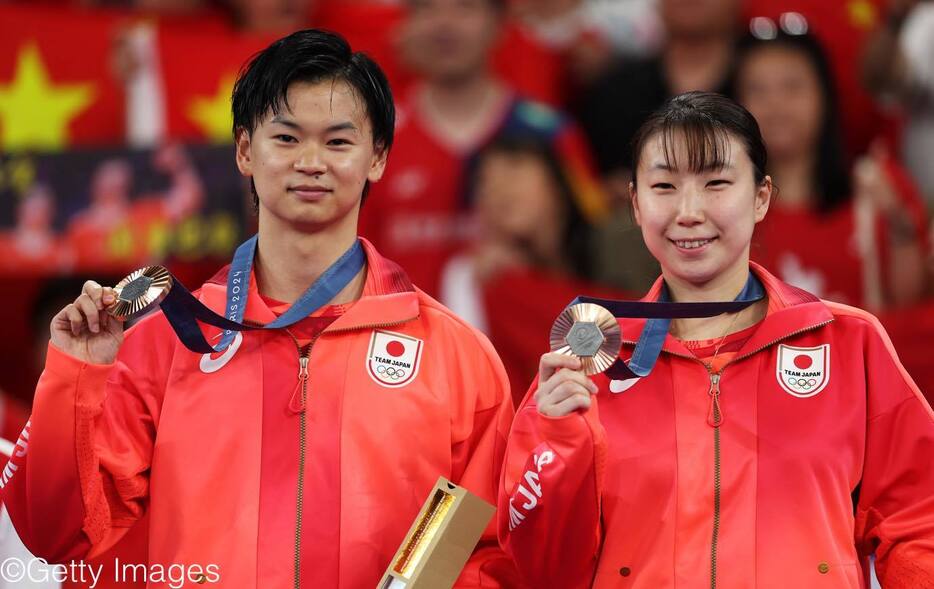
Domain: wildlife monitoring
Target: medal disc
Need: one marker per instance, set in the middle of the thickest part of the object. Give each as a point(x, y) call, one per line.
point(140, 290)
point(589, 332)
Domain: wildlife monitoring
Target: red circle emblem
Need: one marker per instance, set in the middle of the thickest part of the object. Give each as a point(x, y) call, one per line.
point(395, 348)
point(803, 361)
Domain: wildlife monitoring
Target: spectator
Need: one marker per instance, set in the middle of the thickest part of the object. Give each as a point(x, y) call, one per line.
point(898, 69)
point(529, 222)
point(419, 213)
point(32, 246)
point(117, 232)
point(834, 231)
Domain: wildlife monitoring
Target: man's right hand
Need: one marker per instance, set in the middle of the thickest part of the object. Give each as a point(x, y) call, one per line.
point(562, 386)
point(84, 330)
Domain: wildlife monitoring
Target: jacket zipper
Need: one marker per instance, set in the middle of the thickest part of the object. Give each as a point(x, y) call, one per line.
point(298, 403)
point(715, 420)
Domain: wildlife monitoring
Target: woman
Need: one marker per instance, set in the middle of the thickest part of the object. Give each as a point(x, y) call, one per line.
point(835, 230)
point(737, 460)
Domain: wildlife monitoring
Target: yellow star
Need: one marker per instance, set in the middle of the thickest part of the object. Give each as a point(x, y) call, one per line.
point(212, 113)
point(34, 113)
point(862, 14)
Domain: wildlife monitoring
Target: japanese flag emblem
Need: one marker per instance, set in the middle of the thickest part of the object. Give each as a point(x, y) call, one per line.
point(803, 372)
point(393, 358)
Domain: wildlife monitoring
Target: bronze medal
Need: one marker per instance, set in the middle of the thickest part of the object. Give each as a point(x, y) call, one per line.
point(589, 332)
point(140, 291)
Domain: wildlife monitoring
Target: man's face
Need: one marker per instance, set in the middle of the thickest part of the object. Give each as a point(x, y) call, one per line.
point(699, 18)
point(310, 162)
point(450, 39)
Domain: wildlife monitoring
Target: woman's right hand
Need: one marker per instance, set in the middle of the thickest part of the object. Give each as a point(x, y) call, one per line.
point(562, 387)
point(84, 330)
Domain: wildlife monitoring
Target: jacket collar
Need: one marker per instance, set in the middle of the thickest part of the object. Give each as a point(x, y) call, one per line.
point(388, 296)
point(790, 311)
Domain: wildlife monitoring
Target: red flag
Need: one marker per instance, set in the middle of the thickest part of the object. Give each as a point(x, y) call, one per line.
point(57, 88)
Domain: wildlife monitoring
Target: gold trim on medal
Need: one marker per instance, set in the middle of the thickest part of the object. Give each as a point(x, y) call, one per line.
point(589, 332)
point(140, 290)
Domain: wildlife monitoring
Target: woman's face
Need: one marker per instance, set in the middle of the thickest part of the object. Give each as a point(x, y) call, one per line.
point(698, 225)
point(780, 87)
point(517, 197)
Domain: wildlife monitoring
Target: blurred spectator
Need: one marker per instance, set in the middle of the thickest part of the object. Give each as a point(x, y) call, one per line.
point(532, 243)
point(528, 217)
point(842, 27)
point(697, 54)
point(117, 232)
point(832, 230)
point(588, 33)
point(33, 247)
point(418, 214)
point(898, 67)
point(269, 16)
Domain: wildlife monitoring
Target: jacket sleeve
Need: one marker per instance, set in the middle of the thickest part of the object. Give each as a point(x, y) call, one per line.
point(895, 512)
point(479, 427)
point(549, 502)
point(79, 477)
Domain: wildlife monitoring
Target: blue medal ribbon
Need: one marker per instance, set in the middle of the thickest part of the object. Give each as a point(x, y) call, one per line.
point(659, 315)
point(184, 311)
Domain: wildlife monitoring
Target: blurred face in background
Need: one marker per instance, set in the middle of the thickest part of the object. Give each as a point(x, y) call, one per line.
point(699, 18)
point(111, 183)
point(37, 210)
point(780, 87)
point(518, 201)
point(449, 40)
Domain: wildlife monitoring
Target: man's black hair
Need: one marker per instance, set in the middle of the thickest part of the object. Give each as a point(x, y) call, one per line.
point(311, 55)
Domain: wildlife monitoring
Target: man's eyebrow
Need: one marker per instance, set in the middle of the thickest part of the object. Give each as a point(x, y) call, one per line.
point(279, 119)
point(345, 126)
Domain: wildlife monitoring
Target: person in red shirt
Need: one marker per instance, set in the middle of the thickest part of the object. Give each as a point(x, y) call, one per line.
point(778, 445)
point(293, 457)
point(834, 231)
point(419, 214)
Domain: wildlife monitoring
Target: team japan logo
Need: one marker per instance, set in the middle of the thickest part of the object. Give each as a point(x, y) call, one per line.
point(803, 372)
point(393, 358)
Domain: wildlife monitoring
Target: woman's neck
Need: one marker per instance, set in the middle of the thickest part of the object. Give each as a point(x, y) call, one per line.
point(698, 63)
point(724, 288)
point(289, 260)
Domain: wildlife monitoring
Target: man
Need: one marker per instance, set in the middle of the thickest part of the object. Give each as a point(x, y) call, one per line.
point(297, 457)
point(419, 214)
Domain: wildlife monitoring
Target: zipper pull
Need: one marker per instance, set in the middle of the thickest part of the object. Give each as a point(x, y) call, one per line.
point(297, 402)
point(715, 414)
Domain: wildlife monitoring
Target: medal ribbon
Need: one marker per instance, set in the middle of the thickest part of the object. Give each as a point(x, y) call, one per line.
point(659, 315)
point(184, 311)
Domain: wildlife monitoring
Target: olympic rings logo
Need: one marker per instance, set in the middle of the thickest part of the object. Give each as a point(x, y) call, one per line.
point(802, 383)
point(390, 372)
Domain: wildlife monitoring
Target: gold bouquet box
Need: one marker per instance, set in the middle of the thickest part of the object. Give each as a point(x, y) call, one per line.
point(440, 540)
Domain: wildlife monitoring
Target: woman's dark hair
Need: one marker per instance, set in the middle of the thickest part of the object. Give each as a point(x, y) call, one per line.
point(831, 174)
point(311, 55)
point(576, 230)
point(707, 121)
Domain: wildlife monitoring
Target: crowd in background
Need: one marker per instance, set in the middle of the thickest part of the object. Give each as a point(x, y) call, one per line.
point(507, 189)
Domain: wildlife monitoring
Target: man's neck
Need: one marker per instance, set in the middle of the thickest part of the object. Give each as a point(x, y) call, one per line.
point(697, 63)
point(289, 260)
point(461, 111)
point(794, 178)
